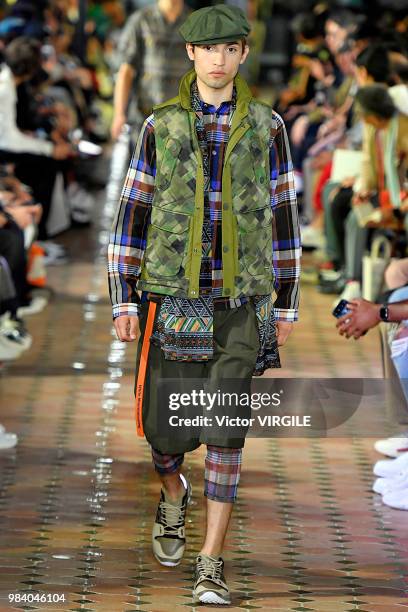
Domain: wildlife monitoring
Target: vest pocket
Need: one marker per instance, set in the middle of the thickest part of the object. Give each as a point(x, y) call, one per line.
point(255, 241)
point(176, 175)
point(167, 242)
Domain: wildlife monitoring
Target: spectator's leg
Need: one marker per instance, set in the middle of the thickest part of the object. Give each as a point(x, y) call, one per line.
point(396, 274)
point(39, 172)
point(339, 211)
point(334, 249)
point(355, 245)
point(12, 249)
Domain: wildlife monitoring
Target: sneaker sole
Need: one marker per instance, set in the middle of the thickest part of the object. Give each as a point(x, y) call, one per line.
point(212, 598)
point(165, 562)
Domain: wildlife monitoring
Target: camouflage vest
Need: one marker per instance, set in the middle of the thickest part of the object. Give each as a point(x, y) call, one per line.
point(172, 260)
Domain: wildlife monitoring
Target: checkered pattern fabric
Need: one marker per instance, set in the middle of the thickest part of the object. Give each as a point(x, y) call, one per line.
point(128, 238)
point(222, 470)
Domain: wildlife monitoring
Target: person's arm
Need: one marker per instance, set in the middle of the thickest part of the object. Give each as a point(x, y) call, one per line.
point(366, 182)
point(285, 228)
point(130, 51)
point(123, 86)
point(365, 315)
point(129, 229)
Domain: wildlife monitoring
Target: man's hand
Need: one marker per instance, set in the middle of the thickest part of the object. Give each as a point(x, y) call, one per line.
point(284, 328)
point(361, 197)
point(127, 328)
point(363, 316)
point(62, 150)
point(23, 215)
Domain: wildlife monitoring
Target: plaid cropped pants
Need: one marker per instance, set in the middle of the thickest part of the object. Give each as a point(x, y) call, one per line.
point(222, 470)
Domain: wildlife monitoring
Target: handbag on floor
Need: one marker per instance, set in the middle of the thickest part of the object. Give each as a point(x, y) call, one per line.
point(374, 265)
point(59, 218)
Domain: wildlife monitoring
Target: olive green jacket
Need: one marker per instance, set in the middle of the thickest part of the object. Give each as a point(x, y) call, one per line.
point(172, 259)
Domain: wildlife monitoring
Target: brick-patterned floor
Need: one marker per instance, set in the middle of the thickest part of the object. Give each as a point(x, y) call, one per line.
point(78, 494)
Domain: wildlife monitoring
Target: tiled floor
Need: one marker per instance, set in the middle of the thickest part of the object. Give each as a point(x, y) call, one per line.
point(78, 494)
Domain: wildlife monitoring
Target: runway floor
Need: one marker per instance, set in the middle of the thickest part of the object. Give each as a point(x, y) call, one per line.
point(78, 494)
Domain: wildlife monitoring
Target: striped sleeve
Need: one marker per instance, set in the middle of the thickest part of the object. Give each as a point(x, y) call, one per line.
point(285, 227)
point(127, 241)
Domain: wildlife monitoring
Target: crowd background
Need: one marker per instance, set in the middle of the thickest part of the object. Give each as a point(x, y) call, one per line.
point(337, 72)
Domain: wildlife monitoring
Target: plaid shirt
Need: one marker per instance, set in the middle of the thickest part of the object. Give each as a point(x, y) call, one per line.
point(128, 239)
point(156, 51)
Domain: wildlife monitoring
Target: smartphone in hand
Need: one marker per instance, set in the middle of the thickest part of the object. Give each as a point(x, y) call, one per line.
point(341, 309)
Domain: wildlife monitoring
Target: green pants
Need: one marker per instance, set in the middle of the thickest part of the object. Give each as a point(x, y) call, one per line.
point(236, 345)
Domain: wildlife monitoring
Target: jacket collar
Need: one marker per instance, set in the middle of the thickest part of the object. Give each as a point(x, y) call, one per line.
point(244, 95)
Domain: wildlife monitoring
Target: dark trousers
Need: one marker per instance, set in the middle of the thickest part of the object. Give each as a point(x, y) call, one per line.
point(38, 172)
point(236, 346)
point(339, 210)
point(12, 249)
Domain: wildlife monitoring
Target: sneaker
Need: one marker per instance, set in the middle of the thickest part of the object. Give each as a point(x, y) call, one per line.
point(34, 306)
point(397, 499)
point(9, 350)
point(14, 330)
point(386, 485)
point(312, 238)
point(387, 468)
point(209, 582)
point(81, 203)
point(168, 535)
point(8, 440)
point(351, 291)
point(392, 447)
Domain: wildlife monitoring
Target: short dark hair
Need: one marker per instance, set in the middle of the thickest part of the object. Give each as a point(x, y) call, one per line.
point(306, 25)
point(344, 18)
point(376, 61)
point(23, 56)
point(375, 100)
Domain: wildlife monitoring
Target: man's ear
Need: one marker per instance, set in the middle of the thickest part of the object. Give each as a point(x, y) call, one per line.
point(244, 55)
point(190, 51)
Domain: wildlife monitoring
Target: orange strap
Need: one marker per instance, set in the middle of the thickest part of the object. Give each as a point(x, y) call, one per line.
point(142, 368)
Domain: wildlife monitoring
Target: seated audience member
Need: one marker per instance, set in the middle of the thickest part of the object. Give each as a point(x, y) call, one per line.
point(372, 66)
point(392, 475)
point(385, 150)
point(306, 71)
point(13, 220)
point(33, 157)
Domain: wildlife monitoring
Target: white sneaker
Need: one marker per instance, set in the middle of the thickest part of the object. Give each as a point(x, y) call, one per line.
point(386, 485)
point(392, 447)
point(351, 291)
point(2, 429)
point(312, 237)
point(15, 332)
point(37, 304)
point(51, 247)
point(9, 350)
point(391, 468)
point(81, 203)
point(397, 499)
point(8, 440)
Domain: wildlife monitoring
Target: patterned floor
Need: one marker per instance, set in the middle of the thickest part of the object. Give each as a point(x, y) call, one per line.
point(78, 495)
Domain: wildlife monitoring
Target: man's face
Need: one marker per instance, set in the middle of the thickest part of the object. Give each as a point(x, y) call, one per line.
point(217, 65)
point(335, 35)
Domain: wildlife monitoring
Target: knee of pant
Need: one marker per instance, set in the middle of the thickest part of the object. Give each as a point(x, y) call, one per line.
point(351, 221)
point(12, 245)
point(398, 295)
point(396, 276)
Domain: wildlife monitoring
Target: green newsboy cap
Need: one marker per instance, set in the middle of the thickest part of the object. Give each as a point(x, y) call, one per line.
point(211, 25)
